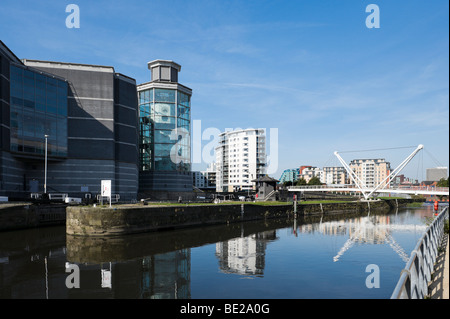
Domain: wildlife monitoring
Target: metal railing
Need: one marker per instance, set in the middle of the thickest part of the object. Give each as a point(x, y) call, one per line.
point(337, 186)
point(414, 278)
point(114, 198)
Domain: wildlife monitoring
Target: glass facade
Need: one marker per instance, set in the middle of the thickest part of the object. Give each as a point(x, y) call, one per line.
point(38, 108)
point(164, 130)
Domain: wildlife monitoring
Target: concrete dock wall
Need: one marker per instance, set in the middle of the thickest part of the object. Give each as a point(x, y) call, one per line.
point(96, 221)
point(119, 221)
point(22, 216)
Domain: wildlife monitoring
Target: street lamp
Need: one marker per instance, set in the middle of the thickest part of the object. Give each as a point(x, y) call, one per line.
point(45, 178)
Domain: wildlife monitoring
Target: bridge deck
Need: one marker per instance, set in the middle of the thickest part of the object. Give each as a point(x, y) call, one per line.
point(413, 191)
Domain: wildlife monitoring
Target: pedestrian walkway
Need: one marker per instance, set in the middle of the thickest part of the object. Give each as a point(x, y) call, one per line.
point(439, 287)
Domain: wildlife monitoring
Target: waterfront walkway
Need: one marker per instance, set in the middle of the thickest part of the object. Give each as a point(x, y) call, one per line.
point(439, 287)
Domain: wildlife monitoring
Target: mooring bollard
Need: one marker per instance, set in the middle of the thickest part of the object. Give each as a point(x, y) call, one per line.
point(295, 208)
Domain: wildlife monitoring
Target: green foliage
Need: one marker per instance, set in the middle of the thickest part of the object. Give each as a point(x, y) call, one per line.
point(442, 182)
point(314, 181)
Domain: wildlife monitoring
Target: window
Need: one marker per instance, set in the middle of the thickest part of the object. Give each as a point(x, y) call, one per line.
point(164, 95)
point(35, 101)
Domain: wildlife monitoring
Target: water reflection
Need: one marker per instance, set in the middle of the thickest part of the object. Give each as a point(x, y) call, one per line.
point(158, 265)
point(370, 230)
point(244, 255)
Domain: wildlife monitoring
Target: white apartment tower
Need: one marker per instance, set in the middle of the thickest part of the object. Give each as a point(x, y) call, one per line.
point(240, 158)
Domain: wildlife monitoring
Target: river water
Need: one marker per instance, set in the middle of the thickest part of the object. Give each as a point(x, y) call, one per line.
point(329, 257)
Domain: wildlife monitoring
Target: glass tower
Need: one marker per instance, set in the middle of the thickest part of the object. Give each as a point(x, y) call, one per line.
point(165, 117)
point(164, 123)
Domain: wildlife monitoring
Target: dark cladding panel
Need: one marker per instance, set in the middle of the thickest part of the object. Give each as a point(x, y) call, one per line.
point(91, 149)
point(126, 120)
point(126, 153)
point(86, 82)
point(91, 128)
point(90, 108)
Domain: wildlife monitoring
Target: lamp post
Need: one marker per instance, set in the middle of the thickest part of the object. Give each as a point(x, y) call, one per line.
point(45, 177)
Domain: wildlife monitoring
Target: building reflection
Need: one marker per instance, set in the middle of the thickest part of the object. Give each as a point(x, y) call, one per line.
point(167, 276)
point(161, 276)
point(244, 255)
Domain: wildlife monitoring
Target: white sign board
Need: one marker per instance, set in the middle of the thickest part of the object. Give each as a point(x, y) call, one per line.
point(106, 188)
point(106, 278)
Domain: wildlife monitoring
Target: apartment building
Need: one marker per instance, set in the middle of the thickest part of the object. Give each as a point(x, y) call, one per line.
point(205, 179)
point(335, 175)
point(371, 172)
point(310, 172)
point(240, 158)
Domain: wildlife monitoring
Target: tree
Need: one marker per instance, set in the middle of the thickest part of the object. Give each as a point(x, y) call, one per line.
point(314, 181)
point(288, 183)
point(442, 182)
point(300, 182)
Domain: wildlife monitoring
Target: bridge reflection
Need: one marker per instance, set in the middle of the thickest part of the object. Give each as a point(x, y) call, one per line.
point(371, 230)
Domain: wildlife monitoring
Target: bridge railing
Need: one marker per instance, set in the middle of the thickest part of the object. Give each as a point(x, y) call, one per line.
point(414, 278)
point(336, 186)
point(423, 188)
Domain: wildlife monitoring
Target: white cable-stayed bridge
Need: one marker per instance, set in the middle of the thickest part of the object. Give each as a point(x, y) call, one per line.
point(382, 187)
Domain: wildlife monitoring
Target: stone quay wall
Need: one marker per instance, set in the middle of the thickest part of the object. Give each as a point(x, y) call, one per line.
point(100, 221)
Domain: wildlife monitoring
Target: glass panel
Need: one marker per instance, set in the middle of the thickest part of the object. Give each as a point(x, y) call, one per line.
point(51, 97)
point(16, 73)
point(183, 99)
point(40, 125)
point(40, 147)
point(144, 109)
point(166, 109)
point(183, 112)
point(145, 96)
point(163, 95)
point(164, 164)
point(183, 124)
point(164, 122)
point(17, 102)
point(50, 127)
point(16, 89)
point(28, 129)
point(162, 136)
point(163, 149)
point(62, 98)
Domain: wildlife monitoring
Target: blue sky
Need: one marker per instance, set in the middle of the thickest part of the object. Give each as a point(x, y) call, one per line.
point(311, 69)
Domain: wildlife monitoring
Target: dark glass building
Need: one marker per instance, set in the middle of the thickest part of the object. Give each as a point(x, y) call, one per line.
point(88, 112)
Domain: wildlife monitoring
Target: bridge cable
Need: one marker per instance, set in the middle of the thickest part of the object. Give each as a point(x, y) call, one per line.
point(433, 158)
point(378, 149)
